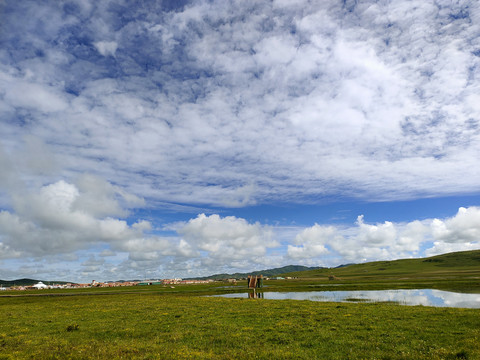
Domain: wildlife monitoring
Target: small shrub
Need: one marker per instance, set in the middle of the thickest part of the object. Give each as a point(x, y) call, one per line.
point(72, 327)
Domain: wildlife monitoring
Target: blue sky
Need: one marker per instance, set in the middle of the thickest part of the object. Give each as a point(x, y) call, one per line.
point(186, 138)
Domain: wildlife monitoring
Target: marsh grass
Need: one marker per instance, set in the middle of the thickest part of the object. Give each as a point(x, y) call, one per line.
point(174, 326)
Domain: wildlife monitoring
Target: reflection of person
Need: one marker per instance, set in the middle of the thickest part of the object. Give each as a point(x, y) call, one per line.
point(255, 295)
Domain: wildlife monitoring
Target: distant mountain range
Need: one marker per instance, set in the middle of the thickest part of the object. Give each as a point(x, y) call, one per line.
point(267, 273)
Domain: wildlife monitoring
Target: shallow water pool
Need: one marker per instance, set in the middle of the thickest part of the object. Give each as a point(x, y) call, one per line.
point(426, 297)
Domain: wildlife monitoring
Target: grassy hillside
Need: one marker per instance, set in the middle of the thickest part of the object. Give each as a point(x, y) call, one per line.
point(465, 264)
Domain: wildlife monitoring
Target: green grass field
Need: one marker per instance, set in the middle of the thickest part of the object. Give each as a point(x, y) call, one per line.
point(172, 326)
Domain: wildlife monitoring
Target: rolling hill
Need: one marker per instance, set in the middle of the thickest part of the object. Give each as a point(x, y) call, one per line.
point(446, 266)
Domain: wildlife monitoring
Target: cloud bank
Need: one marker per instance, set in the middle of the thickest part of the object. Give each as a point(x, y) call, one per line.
point(77, 227)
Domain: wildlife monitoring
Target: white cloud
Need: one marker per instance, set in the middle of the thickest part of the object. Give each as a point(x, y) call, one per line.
point(37, 157)
point(107, 252)
point(101, 198)
point(411, 237)
point(376, 235)
point(22, 93)
point(226, 239)
point(332, 245)
point(463, 227)
point(213, 244)
point(440, 247)
point(106, 47)
point(50, 222)
point(312, 242)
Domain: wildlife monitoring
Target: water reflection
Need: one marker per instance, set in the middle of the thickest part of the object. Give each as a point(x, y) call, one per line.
point(426, 297)
point(255, 295)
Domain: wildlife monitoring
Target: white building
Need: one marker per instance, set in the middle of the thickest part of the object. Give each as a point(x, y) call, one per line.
point(40, 285)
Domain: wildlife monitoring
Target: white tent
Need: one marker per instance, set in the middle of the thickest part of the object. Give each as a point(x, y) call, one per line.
point(40, 285)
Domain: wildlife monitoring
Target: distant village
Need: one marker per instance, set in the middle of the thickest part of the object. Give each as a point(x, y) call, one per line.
point(96, 284)
point(40, 285)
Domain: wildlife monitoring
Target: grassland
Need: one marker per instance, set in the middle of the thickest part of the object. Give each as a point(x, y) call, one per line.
point(157, 322)
point(151, 325)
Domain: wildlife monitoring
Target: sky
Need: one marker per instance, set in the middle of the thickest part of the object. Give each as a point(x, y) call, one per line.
point(160, 139)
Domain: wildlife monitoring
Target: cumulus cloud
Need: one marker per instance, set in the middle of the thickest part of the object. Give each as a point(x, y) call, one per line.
point(227, 239)
point(51, 221)
point(331, 245)
point(212, 244)
point(106, 47)
point(460, 232)
point(376, 234)
point(312, 242)
point(369, 242)
point(463, 227)
point(412, 236)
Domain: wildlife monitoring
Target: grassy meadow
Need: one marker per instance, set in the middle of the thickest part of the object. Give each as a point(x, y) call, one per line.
point(154, 325)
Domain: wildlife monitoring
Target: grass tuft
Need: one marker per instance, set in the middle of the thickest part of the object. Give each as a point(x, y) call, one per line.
point(73, 327)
